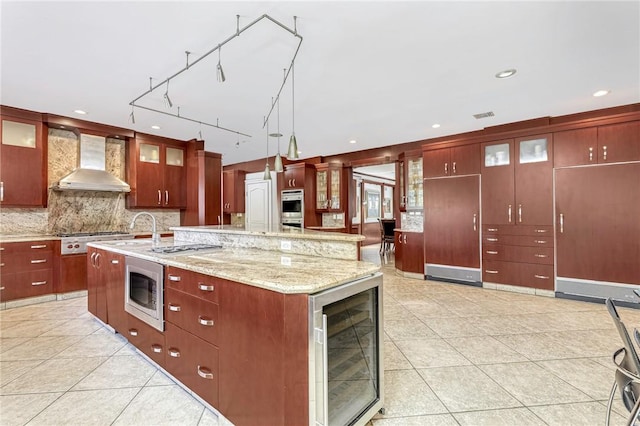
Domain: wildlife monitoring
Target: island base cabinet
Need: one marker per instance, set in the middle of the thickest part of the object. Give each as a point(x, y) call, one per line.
point(518, 274)
point(193, 362)
point(192, 314)
point(147, 339)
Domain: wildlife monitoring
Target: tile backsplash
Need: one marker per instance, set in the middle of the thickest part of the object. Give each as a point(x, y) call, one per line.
point(81, 211)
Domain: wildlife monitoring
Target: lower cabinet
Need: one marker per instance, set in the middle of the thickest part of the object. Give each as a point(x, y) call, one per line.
point(409, 252)
point(518, 255)
point(146, 338)
point(26, 269)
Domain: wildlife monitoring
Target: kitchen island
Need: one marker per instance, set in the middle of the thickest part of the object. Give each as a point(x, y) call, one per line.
point(239, 322)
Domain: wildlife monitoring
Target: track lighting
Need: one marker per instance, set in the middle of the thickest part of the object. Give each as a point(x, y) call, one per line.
point(293, 144)
point(267, 171)
point(277, 163)
point(167, 101)
point(221, 77)
point(132, 118)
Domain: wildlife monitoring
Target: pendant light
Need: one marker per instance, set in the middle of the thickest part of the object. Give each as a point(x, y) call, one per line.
point(293, 144)
point(277, 163)
point(267, 171)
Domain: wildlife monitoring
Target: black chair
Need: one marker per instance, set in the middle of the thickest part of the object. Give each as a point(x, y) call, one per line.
point(627, 375)
point(386, 234)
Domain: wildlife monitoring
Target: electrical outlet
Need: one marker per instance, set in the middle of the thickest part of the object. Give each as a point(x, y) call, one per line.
point(286, 261)
point(285, 245)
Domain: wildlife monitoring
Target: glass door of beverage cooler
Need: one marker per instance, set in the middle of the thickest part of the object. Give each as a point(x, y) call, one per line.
point(348, 353)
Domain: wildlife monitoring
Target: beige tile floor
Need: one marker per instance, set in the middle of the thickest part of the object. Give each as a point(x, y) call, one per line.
point(454, 355)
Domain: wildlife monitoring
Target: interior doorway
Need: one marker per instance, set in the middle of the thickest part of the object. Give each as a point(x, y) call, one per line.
point(375, 194)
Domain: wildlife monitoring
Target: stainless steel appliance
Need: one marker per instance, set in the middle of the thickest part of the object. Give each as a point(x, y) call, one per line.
point(345, 353)
point(76, 243)
point(292, 207)
point(144, 288)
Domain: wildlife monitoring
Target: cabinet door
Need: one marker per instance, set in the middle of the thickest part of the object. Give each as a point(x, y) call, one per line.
point(73, 273)
point(402, 195)
point(619, 142)
point(533, 181)
point(436, 163)
point(335, 188)
point(96, 285)
point(498, 188)
point(322, 189)
point(399, 250)
point(414, 183)
point(149, 182)
point(233, 191)
point(465, 160)
point(451, 222)
point(113, 265)
point(174, 179)
point(413, 252)
point(22, 166)
point(597, 225)
point(294, 176)
point(575, 147)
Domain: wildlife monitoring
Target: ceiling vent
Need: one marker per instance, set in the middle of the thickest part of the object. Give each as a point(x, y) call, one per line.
point(484, 115)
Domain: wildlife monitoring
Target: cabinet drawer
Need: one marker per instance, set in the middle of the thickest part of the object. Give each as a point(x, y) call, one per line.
point(147, 339)
point(199, 285)
point(500, 272)
point(542, 255)
point(193, 314)
point(193, 361)
point(27, 284)
point(532, 230)
point(495, 252)
point(519, 240)
point(537, 276)
point(39, 246)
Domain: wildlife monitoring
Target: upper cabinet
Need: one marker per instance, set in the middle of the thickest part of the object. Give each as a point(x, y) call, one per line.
point(612, 143)
point(517, 176)
point(233, 191)
point(329, 188)
point(23, 160)
point(294, 175)
point(455, 161)
point(156, 172)
point(411, 197)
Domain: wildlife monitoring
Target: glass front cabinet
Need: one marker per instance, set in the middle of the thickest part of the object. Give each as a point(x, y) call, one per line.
point(413, 179)
point(328, 187)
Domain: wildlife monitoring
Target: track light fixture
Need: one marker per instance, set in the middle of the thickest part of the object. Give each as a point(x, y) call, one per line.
point(292, 152)
point(267, 170)
point(221, 77)
point(277, 163)
point(167, 100)
point(132, 117)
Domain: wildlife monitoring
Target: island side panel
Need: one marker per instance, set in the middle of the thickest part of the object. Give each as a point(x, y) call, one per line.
point(296, 359)
point(254, 357)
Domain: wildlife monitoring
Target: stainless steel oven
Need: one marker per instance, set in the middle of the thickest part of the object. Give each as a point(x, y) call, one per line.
point(144, 288)
point(345, 353)
point(292, 207)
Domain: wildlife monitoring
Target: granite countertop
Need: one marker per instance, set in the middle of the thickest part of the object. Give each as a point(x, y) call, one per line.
point(266, 269)
point(325, 227)
point(275, 231)
point(418, 231)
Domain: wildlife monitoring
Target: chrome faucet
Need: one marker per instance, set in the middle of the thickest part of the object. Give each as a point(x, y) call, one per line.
point(155, 237)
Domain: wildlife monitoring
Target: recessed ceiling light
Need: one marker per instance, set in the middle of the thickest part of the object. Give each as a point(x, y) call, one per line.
point(600, 93)
point(352, 141)
point(506, 73)
point(435, 126)
point(79, 111)
point(155, 127)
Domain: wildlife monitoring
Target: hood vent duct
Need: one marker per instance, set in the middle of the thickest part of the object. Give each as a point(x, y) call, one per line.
point(91, 174)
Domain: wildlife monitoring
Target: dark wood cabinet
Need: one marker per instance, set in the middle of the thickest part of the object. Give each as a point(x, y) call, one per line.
point(113, 272)
point(233, 191)
point(597, 145)
point(26, 269)
point(409, 252)
point(302, 176)
point(73, 273)
point(330, 191)
point(156, 173)
point(454, 161)
point(147, 339)
point(23, 159)
point(597, 227)
point(451, 221)
point(295, 176)
point(96, 284)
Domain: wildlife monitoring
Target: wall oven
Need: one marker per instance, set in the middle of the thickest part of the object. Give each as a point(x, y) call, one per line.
point(292, 207)
point(144, 285)
point(345, 353)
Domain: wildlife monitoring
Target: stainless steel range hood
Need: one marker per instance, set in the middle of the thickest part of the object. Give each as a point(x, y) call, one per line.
point(91, 174)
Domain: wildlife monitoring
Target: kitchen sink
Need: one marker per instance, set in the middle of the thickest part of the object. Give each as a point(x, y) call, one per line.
point(184, 247)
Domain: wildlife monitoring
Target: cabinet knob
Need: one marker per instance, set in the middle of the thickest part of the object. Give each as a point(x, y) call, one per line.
point(174, 308)
point(509, 213)
point(174, 277)
point(490, 271)
point(156, 348)
point(590, 153)
point(446, 168)
point(604, 152)
point(205, 373)
point(159, 197)
point(205, 287)
point(491, 252)
point(36, 261)
point(173, 352)
point(1, 191)
point(541, 256)
point(166, 197)
point(493, 240)
point(454, 167)
point(38, 283)
point(541, 277)
point(133, 332)
point(39, 246)
point(205, 321)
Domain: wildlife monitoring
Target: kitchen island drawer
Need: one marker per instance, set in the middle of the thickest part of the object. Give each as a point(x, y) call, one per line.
point(193, 283)
point(500, 272)
point(193, 361)
point(147, 339)
point(539, 255)
point(519, 240)
point(537, 276)
point(192, 314)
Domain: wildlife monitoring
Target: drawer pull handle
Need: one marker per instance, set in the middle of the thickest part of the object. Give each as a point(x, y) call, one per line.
point(492, 229)
point(541, 277)
point(493, 240)
point(174, 308)
point(175, 353)
point(540, 255)
point(39, 283)
point(133, 332)
point(174, 277)
point(1, 248)
point(489, 271)
point(541, 231)
point(39, 246)
point(156, 348)
point(205, 373)
point(115, 261)
point(1, 265)
point(540, 241)
point(35, 261)
point(205, 321)
point(205, 287)
point(491, 252)
point(2, 288)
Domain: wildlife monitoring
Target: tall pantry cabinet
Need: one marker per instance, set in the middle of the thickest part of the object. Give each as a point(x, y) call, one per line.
point(597, 202)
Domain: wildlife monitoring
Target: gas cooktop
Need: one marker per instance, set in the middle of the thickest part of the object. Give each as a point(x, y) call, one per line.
point(90, 234)
point(184, 247)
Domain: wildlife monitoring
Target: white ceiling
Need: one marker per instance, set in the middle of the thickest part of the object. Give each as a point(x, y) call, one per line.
point(378, 72)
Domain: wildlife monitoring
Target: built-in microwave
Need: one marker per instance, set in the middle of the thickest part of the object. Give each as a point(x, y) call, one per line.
point(292, 207)
point(144, 288)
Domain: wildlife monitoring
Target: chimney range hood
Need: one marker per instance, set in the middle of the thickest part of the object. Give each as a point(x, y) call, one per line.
point(91, 174)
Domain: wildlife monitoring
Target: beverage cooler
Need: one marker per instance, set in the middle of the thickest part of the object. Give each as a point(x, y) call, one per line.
point(345, 354)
